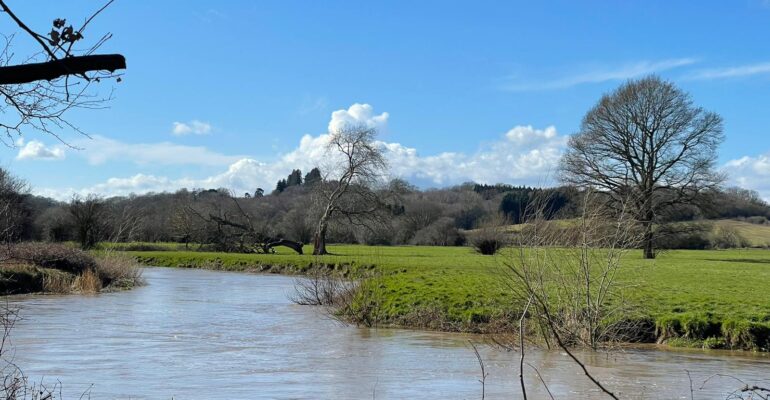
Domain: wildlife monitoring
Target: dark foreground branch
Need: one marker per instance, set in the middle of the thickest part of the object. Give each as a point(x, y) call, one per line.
point(50, 70)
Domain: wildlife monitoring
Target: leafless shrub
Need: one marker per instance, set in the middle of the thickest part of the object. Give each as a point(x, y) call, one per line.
point(744, 391)
point(573, 293)
point(320, 287)
point(728, 238)
point(354, 301)
point(14, 385)
point(575, 288)
point(491, 236)
point(60, 262)
point(54, 256)
point(757, 220)
point(119, 270)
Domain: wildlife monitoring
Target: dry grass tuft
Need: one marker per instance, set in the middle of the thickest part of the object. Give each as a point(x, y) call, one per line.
point(119, 270)
point(57, 282)
point(88, 282)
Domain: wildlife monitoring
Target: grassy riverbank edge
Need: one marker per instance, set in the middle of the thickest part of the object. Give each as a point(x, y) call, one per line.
point(687, 298)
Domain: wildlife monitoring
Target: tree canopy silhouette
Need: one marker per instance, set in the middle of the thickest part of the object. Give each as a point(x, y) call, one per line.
point(649, 147)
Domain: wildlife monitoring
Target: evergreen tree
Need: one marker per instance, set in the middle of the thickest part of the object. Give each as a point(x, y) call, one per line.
point(313, 177)
point(295, 178)
point(280, 186)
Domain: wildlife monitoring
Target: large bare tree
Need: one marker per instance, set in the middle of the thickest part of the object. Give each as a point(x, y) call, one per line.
point(648, 147)
point(347, 189)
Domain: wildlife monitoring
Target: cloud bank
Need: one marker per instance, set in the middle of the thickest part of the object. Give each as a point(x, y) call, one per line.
point(523, 155)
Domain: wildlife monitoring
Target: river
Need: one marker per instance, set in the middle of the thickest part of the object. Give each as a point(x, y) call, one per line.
point(196, 334)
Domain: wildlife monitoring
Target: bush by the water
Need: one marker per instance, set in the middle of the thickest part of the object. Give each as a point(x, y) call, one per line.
point(52, 255)
point(58, 268)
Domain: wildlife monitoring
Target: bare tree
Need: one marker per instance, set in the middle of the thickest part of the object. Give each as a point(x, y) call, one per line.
point(124, 221)
point(88, 217)
point(646, 142)
point(227, 224)
point(12, 212)
point(38, 92)
point(347, 191)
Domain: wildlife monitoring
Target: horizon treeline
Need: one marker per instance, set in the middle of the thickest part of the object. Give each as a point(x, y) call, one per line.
point(410, 215)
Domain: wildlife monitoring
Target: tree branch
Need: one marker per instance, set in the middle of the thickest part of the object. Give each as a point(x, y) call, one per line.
point(50, 70)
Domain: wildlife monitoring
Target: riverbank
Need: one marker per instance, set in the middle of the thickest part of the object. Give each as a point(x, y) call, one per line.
point(206, 334)
point(62, 269)
point(685, 298)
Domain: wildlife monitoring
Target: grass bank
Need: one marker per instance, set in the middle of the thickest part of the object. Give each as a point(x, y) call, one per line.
point(58, 268)
point(697, 298)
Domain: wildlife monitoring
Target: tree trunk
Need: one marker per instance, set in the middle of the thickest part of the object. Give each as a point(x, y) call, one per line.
point(649, 250)
point(319, 240)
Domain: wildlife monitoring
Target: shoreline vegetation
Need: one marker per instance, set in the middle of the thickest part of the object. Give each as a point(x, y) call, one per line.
point(49, 268)
point(684, 298)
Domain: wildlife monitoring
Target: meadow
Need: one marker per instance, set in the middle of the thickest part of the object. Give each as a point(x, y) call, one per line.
point(709, 298)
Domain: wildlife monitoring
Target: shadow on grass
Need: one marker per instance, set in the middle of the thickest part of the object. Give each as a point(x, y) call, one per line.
point(741, 260)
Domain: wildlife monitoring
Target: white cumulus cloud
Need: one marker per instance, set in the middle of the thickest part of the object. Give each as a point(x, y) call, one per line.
point(358, 115)
point(750, 172)
point(36, 150)
point(522, 155)
point(194, 127)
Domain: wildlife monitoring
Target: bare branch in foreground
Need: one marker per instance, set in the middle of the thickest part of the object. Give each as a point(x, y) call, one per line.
point(484, 374)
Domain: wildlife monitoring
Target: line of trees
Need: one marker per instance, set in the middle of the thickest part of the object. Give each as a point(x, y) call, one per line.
point(408, 216)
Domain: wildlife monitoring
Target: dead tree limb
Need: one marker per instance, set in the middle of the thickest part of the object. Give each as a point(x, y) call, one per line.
point(296, 246)
point(50, 70)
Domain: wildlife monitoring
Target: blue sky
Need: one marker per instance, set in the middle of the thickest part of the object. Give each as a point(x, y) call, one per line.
point(237, 93)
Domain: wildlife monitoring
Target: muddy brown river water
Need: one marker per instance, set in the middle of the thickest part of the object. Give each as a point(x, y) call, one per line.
point(194, 334)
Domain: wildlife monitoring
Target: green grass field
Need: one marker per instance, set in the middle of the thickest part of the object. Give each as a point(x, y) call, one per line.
point(687, 293)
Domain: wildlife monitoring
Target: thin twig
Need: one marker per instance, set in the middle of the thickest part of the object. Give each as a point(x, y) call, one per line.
point(24, 26)
point(692, 392)
point(521, 348)
point(483, 370)
point(545, 385)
